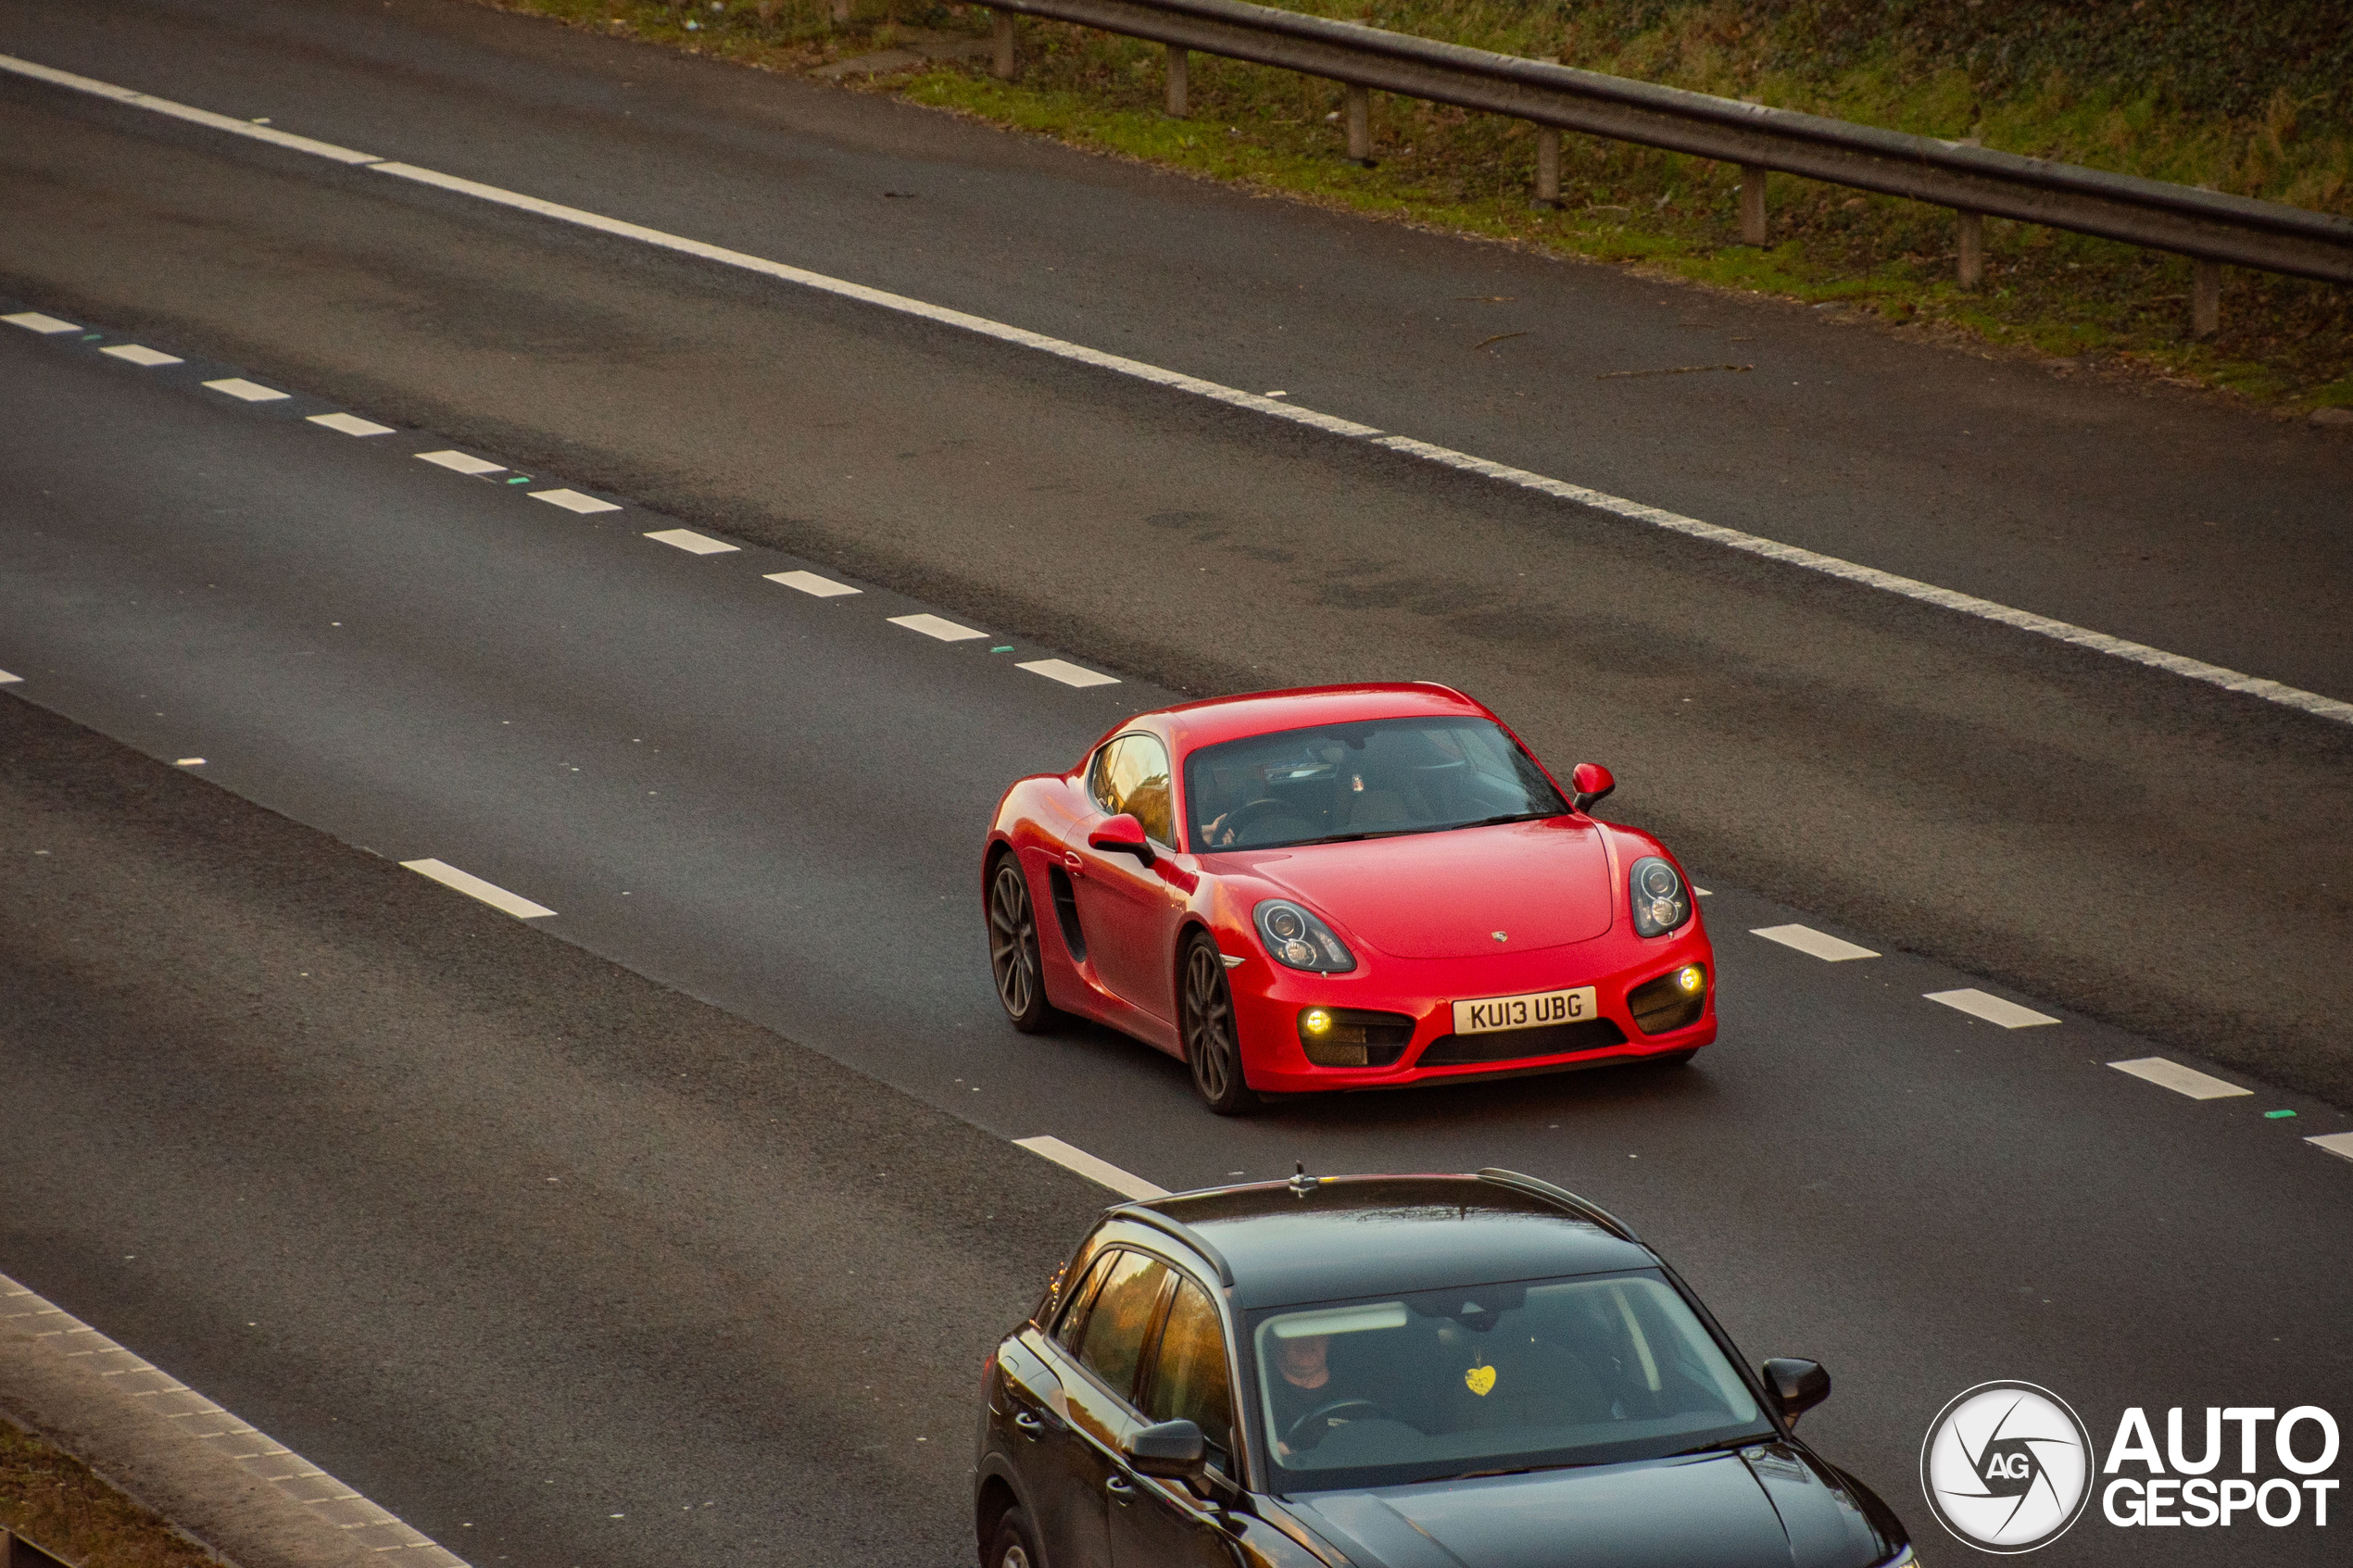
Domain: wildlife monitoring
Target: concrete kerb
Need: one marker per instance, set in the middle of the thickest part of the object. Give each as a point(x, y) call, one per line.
point(226, 1486)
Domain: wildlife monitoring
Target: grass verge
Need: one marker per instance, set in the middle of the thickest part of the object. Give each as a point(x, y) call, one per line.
point(54, 1501)
point(2177, 101)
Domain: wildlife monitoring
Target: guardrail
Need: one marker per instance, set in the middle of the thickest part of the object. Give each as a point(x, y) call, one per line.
point(18, 1552)
point(2209, 227)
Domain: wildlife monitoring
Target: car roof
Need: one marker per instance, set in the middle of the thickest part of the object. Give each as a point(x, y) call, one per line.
point(1219, 720)
point(1344, 1237)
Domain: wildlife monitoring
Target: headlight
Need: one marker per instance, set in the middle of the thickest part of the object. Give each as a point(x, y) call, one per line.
point(1298, 940)
point(1659, 899)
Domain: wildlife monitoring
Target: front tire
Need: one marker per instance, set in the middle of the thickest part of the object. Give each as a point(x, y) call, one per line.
point(1212, 1044)
point(1013, 957)
point(1012, 1546)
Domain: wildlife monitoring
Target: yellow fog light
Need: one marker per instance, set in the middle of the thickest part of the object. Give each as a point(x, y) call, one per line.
point(1317, 1021)
point(1691, 977)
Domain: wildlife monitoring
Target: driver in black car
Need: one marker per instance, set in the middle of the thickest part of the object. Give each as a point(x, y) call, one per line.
point(1302, 1385)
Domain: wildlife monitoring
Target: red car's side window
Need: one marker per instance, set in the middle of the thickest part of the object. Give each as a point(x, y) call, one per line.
point(1131, 775)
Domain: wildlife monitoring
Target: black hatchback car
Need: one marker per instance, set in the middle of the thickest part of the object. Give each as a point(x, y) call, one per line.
point(1397, 1371)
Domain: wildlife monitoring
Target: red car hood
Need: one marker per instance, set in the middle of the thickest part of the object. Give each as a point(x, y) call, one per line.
point(1445, 894)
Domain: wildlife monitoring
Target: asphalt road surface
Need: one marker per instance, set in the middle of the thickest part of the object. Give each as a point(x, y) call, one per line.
point(283, 1117)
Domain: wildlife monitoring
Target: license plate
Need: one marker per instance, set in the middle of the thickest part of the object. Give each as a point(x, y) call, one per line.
point(1532, 1010)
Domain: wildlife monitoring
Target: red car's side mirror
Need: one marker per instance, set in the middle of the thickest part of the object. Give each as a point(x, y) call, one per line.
point(1591, 781)
point(1122, 835)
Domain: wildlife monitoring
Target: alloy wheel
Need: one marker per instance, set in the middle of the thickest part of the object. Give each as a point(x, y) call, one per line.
point(1012, 946)
point(1213, 1048)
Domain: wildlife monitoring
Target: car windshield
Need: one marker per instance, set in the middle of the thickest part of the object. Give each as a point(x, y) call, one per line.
point(1487, 1378)
point(1335, 782)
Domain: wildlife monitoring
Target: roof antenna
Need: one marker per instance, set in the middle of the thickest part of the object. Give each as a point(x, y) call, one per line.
point(1302, 1183)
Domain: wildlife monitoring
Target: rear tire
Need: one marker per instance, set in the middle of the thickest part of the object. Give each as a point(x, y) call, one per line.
point(1012, 1546)
point(1205, 1022)
point(1015, 961)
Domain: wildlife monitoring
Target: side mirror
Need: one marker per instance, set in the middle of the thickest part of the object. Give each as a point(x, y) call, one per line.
point(1122, 835)
point(1591, 781)
point(1796, 1385)
point(1174, 1450)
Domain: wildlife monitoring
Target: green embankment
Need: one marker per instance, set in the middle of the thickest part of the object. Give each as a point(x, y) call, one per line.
point(2240, 96)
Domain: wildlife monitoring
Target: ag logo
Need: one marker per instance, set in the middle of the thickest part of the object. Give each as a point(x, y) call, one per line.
point(2007, 1467)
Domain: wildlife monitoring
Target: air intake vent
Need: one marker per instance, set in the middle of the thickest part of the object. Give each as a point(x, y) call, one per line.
point(1522, 1044)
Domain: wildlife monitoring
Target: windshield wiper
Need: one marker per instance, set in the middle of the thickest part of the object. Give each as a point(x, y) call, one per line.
point(1721, 1444)
point(1434, 827)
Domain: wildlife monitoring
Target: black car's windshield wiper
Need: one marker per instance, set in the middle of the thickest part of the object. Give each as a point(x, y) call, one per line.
point(1719, 1443)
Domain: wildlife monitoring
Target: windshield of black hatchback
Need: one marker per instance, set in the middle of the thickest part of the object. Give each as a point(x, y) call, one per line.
point(1479, 1379)
point(1360, 781)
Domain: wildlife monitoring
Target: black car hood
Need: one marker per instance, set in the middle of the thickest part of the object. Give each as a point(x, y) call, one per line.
point(1704, 1510)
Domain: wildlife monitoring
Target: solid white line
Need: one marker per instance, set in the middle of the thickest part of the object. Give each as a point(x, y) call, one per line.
point(1992, 1009)
point(693, 544)
point(2179, 1079)
point(473, 886)
point(1819, 944)
point(1101, 1172)
point(1069, 675)
point(350, 424)
point(189, 1415)
point(573, 501)
point(33, 322)
point(139, 354)
point(246, 391)
point(1273, 408)
point(809, 582)
point(934, 626)
point(2338, 1144)
point(460, 462)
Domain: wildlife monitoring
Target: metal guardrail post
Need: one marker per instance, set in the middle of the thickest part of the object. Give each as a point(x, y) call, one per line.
point(2206, 297)
point(1548, 166)
point(1179, 79)
point(1360, 124)
point(1753, 203)
point(1970, 237)
point(1006, 66)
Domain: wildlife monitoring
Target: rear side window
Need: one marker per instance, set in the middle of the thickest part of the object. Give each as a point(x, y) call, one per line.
point(1131, 775)
point(1189, 1381)
point(1113, 1341)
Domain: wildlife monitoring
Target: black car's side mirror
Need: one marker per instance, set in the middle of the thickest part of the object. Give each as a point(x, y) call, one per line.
point(1797, 1385)
point(1173, 1450)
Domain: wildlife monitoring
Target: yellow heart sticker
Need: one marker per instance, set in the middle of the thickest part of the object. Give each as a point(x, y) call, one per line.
point(1479, 1379)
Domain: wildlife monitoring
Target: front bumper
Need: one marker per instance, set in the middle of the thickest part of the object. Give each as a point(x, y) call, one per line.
point(1269, 998)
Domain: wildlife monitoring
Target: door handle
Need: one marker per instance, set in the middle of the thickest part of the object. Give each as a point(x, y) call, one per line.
point(1119, 1489)
point(1030, 1426)
point(1072, 858)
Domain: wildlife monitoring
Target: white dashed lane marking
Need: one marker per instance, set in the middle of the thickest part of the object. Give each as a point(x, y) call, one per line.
point(1101, 1172)
point(139, 354)
point(473, 886)
point(9, 679)
point(1069, 675)
point(809, 582)
point(1992, 1009)
point(246, 391)
point(33, 322)
point(188, 762)
point(2179, 1079)
point(1816, 944)
point(2338, 1144)
point(573, 501)
point(350, 424)
point(693, 544)
point(2329, 708)
point(460, 462)
point(188, 1414)
point(936, 626)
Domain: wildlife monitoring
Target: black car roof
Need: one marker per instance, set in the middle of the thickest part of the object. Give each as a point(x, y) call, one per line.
point(1345, 1237)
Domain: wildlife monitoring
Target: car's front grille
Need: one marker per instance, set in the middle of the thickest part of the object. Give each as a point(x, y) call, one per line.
point(1354, 1036)
point(1519, 1045)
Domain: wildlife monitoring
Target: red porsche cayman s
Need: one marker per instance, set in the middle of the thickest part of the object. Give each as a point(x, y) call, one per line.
point(1341, 887)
